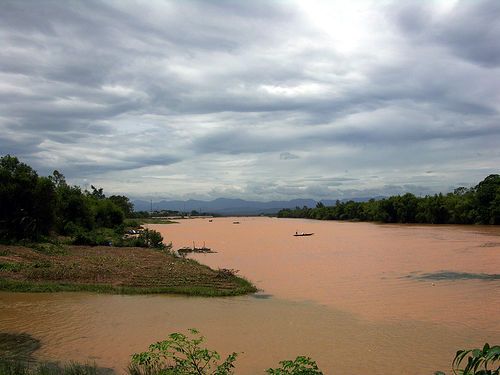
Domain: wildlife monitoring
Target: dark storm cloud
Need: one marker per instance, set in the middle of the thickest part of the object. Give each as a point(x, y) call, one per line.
point(471, 30)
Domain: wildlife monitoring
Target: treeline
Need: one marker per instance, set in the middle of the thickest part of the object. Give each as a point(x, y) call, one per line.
point(33, 206)
point(476, 205)
point(166, 213)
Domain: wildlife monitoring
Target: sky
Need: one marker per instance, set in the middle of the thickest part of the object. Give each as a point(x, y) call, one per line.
point(259, 100)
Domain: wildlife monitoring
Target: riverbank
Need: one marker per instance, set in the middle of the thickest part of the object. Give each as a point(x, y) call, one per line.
point(119, 270)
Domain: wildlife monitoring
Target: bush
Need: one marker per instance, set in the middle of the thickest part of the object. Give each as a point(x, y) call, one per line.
point(300, 366)
point(180, 354)
point(96, 237)
point(151, 238)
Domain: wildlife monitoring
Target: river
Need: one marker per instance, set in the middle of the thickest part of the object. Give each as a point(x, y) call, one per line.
point(356, 297)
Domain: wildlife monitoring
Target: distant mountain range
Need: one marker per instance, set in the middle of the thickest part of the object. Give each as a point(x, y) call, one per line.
point(228, 207)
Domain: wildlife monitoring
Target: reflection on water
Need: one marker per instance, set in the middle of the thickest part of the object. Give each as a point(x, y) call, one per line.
point(340, 296)
point(18, 346)
point(446, 275)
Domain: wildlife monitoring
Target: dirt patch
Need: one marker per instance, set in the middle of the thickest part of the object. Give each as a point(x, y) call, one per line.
point(143, 269)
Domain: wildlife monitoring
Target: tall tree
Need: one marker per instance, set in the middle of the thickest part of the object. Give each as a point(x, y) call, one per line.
point(26, 201)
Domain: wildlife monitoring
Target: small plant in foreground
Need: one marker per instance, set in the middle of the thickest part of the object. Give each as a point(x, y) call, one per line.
point(478, 361)
point(181, 355)
point(300, 366)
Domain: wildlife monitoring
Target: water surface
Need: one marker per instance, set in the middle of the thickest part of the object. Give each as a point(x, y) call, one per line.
point(375, 271)
point(357, 297)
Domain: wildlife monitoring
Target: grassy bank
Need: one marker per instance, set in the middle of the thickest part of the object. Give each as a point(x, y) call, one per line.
point(112, 270)
point(23, 368)
point(141, 221)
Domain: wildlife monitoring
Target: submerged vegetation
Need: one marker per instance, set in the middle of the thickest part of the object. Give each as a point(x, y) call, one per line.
point(476, 205)
point(451, 275)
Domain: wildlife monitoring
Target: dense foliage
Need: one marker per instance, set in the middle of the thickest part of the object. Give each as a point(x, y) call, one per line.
point(476, 205)
point(32, 207)
point(26, 201)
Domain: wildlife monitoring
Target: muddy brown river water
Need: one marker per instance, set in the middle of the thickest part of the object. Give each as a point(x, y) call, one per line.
point(357, 297)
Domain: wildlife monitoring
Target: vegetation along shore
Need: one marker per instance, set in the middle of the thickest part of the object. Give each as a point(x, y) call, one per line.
point(476, 205)
point(56, 237)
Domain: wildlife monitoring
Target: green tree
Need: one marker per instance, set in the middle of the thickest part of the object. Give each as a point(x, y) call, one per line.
point(486, 193)
point(74, 210)
point(26, 201)
point(124, 203)
point(107, 214)
point(96, 193)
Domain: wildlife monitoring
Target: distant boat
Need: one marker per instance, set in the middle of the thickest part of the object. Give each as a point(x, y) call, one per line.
point(302, 234)
point(236, 222)
point(210, 220)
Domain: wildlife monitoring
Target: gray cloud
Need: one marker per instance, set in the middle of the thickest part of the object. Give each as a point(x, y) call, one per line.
point(470, 30)
point(288, 156)
point(203, 99)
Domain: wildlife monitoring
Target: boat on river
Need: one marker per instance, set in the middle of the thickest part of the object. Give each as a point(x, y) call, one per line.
point(302, 234)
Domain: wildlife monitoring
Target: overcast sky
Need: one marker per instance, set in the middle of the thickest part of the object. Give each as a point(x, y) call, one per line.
point(253, 99)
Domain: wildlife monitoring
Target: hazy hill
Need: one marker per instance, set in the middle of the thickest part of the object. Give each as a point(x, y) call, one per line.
point(225, 206)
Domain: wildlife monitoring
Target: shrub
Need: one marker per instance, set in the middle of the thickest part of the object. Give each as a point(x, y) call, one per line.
point(181, 354)
point(95, 237)
point(152, 238)
point(300, 366)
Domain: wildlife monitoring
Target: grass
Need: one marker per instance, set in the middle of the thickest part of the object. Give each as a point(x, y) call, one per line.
point(158, 221)
point(50, 287)
point(114, 270)
point(49, 248)
point(17, 346)
point(48, 368)
point(136, 223)
point(16, 358)
point(10, 267)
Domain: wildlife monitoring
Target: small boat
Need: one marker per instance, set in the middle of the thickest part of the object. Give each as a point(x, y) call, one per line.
point(302, 234)
point(236, 222)
point(210, 220)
